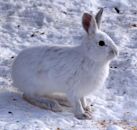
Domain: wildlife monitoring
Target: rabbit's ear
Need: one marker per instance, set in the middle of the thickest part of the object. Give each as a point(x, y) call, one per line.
point(99, 16)
point(89, 23)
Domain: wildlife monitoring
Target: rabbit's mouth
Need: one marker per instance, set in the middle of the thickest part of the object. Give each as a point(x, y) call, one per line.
point(113, 53)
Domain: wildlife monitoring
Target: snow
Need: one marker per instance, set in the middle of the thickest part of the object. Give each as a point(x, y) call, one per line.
point(29, 23)
point(114, 127)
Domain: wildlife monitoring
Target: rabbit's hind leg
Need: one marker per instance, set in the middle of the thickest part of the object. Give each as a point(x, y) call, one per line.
point(62, 99)
point(42, 102)
point(78, 109)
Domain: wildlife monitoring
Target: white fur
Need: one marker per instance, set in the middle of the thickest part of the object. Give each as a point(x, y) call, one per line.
point(73, 70)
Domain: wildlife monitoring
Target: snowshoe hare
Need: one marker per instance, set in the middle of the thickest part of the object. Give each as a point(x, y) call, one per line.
point(75, 71)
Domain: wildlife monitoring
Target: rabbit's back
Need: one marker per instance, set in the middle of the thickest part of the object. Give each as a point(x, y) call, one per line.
point(40, 69)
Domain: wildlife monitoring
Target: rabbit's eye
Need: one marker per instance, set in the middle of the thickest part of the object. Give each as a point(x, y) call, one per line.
point(101, 43)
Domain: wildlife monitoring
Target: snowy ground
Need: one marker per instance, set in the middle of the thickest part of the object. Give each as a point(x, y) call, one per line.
point(28, 23)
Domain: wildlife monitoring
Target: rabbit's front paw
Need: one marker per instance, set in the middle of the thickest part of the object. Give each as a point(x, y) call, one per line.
point(88, 109)
point(84, 116)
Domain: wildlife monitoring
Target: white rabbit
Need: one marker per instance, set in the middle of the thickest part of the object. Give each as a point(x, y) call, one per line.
point(75, 71)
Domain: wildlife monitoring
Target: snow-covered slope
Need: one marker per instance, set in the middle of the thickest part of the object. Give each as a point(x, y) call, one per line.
point(28, 23)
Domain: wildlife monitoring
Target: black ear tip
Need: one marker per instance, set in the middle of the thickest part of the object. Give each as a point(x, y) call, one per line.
point(101, 10)
point(99, 14)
